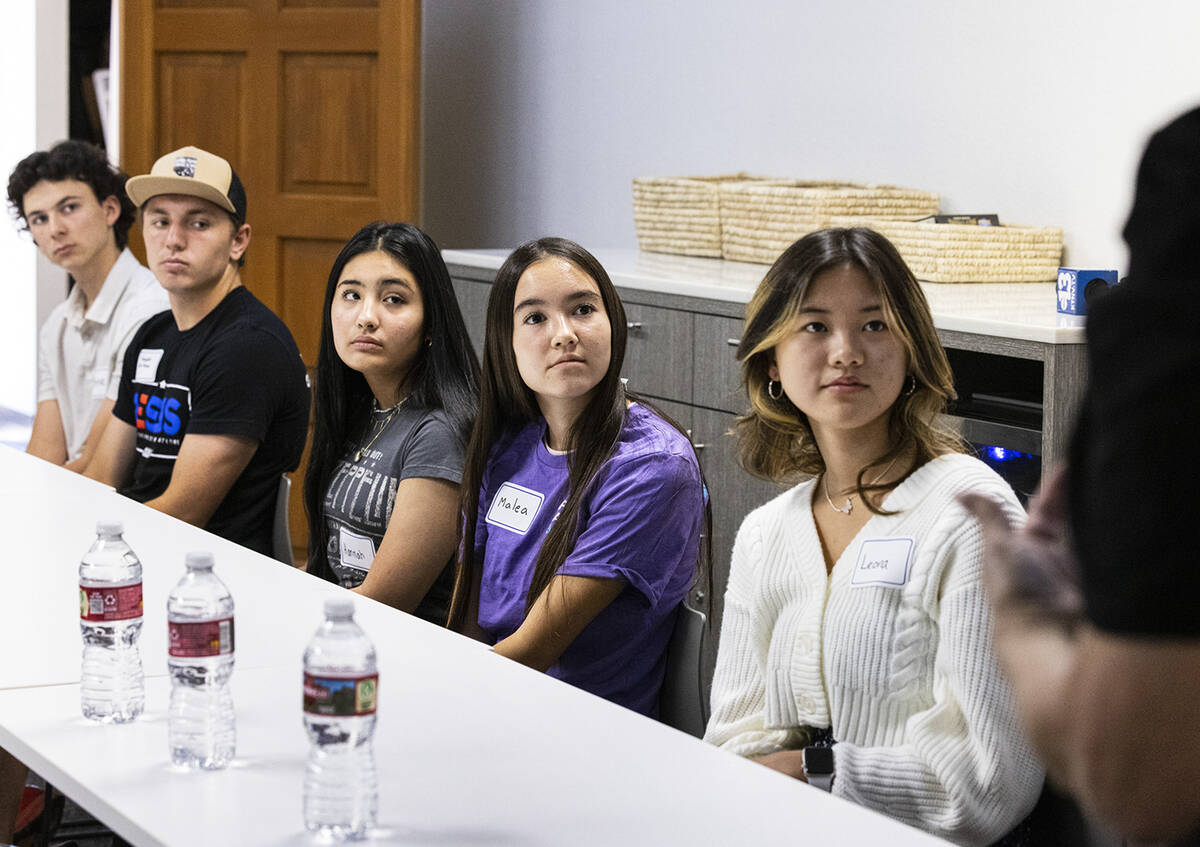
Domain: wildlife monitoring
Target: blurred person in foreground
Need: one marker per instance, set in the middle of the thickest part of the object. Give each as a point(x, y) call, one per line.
point(1095, 597)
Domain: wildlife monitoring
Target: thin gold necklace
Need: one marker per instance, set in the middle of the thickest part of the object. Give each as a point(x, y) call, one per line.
point(849, 503)
point(391, 414)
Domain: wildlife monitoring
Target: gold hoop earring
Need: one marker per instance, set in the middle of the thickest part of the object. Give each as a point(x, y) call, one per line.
point(912, 386)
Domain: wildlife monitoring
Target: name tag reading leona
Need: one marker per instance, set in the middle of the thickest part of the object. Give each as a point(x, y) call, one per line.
point(883, 562)
point(514, 507)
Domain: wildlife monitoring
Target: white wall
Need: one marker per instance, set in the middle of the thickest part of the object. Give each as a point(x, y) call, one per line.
point(538, 113)
point(34, 103)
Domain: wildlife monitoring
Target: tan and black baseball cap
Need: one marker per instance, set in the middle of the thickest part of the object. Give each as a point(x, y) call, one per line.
point(195, 172)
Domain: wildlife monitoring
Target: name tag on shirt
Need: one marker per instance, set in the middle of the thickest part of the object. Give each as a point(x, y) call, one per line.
point(99, 379)
point(883, 562)
point(357, 551)
point(147, 365)
point(514, 507)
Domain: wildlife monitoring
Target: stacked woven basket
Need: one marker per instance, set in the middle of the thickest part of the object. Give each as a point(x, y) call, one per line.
point(753, 219)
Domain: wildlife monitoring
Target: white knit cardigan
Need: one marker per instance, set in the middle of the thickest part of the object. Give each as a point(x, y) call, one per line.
point(905, 675)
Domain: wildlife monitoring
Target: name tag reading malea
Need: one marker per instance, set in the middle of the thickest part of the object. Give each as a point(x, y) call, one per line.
point(883, 562)
point(514, 507)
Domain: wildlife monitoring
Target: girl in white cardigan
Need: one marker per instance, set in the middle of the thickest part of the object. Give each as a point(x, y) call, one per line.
point(855, 648)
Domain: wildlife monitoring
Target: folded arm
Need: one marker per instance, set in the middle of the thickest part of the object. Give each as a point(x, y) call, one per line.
point(205, 469)
point(419, 540)
point(568, 604)
point(48, 441)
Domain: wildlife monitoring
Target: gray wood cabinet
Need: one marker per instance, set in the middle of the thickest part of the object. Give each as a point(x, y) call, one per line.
point(681, 355)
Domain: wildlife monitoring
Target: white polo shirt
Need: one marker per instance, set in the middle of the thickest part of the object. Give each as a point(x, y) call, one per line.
point(80, 354)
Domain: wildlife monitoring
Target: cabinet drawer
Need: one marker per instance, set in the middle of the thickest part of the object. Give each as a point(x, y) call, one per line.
point(658, 352)
point(718, 380)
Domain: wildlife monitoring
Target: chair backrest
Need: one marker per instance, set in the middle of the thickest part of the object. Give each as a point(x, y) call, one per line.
point(281, 536)
point(681, 701)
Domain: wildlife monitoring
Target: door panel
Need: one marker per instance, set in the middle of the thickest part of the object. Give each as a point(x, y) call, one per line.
point(315, 103)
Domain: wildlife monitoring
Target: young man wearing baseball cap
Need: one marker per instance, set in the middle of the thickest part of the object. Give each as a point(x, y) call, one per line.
point(213, 401)
point(73, 203)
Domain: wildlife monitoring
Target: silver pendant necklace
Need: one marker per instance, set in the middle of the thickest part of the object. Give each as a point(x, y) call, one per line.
point(849, 503)
point(391, 414)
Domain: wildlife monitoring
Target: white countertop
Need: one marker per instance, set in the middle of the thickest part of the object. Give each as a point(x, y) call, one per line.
point(1025, 311)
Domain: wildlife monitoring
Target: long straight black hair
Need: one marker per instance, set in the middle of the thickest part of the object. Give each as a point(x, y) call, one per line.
point(444, 375)
point(506, 404)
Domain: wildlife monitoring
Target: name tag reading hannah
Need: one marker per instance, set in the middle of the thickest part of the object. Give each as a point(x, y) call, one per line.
point(357, 551)
point(883, 561)
point(514, 507)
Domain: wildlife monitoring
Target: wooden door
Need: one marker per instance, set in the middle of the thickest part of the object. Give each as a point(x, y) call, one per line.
point(315, 103)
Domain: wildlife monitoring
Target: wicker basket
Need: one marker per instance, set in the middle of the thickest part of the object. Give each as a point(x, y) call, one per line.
point(681, 214)
point(970, 253)
point(759, 220)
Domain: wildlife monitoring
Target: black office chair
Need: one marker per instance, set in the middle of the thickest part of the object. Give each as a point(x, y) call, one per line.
point(681, 701)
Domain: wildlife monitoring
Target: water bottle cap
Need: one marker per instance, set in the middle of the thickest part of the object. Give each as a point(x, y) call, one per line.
point(340, 607)
point(109, 528)
point(199, 560)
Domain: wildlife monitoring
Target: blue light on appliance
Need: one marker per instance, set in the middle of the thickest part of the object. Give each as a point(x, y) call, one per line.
point(1004, 454)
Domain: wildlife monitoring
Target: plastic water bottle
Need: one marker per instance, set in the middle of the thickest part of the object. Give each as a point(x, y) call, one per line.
point(341, 793)
point(201, 731)
point(110, 620)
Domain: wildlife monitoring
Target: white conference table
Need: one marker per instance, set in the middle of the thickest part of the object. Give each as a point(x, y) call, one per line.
point(470, 747)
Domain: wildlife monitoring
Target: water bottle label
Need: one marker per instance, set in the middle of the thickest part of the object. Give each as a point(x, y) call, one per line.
point(198, 639)
point(341, 696)
point(110, 604)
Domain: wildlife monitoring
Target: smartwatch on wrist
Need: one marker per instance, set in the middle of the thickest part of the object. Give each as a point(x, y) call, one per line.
point(818, 767)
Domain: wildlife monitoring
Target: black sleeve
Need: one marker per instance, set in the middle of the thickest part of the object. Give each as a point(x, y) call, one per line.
point(1133, 487)
point(238, 384)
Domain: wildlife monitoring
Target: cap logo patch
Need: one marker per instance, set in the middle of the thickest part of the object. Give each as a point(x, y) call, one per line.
point(185, 166)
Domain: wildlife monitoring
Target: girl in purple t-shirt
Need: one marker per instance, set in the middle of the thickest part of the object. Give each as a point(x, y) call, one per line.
point(583, 507)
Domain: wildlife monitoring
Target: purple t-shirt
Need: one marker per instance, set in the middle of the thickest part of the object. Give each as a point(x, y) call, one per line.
point(639, 523)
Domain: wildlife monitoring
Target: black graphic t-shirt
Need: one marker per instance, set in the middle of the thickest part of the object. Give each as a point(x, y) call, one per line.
point(237, 372)
point(358, 503)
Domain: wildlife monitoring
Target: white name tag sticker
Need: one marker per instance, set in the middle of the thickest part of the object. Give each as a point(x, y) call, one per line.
point(99, 378)
point(883, 561)
point(357, 551)
point(514, 507)
point(147, 365)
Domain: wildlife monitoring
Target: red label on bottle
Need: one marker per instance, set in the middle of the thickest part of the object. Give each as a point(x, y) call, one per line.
point(106, 603)
point(199, 639)
point(340, 696)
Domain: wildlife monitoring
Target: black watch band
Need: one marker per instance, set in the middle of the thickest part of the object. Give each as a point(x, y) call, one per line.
point(818, 767)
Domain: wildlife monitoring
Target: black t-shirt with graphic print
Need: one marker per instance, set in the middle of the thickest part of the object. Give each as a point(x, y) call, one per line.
point(237, 372)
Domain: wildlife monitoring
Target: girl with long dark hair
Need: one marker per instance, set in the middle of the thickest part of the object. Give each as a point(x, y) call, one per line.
point(583, 506)
point(395, 397)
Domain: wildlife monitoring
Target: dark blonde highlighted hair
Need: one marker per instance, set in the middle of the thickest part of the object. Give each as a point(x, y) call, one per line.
point(775, 440)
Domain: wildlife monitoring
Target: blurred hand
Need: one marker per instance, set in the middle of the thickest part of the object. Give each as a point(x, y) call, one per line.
point(1031, 572)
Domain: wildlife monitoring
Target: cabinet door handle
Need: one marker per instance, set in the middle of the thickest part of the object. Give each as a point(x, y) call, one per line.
point(733, 342)
point(633, 325)
point(698, 446)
